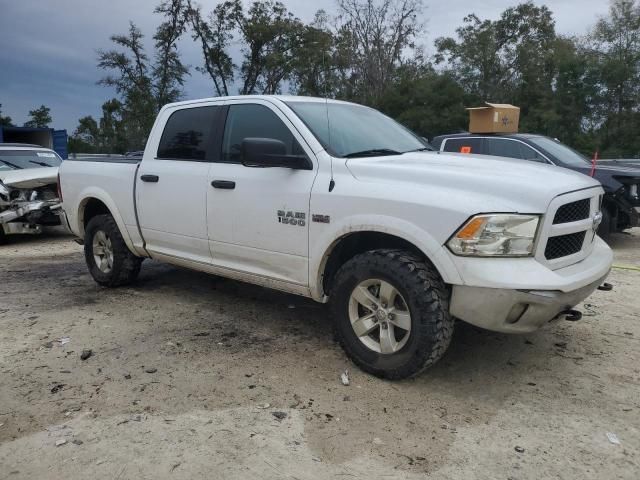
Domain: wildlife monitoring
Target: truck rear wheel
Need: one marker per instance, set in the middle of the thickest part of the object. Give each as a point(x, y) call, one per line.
point(391, 313)
point(110, 261)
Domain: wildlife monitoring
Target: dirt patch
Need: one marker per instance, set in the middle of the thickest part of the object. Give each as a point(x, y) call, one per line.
point(187, 371)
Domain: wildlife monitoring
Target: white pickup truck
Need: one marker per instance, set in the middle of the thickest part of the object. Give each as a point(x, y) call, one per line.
point(337, 202)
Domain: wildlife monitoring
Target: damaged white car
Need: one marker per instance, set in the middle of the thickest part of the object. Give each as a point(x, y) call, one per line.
point(29, 197)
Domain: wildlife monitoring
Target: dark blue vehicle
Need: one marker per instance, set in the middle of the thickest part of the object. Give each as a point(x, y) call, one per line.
point(621, 181)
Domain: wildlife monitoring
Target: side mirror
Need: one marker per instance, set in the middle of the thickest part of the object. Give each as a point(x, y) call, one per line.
point(269, 152)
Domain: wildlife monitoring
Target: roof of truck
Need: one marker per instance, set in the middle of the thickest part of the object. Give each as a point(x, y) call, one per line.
point(282, 98)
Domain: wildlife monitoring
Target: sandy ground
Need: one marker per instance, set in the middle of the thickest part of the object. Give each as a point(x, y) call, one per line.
point(187, 371)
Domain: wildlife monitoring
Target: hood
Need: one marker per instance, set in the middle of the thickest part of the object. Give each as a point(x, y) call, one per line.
point(608, 174)
point(499, 183)
point(30, 177)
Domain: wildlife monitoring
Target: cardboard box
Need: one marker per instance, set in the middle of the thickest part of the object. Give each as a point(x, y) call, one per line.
point(494, 118)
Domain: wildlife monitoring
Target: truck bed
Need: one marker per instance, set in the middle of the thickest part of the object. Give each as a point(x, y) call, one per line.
point(110, 180)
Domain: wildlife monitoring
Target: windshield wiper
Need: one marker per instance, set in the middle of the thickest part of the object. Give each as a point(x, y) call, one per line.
point(422, 149)
point(11, 164)
point(42, 164)
point(374, 152)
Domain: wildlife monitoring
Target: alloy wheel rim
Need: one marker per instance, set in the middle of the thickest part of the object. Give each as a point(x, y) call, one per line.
point(379, 316)
point(103, 251)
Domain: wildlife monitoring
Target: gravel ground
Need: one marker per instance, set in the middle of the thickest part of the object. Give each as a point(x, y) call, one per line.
point(194, 376)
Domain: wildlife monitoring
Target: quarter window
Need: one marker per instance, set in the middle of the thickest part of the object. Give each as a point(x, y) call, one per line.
point(464, 145)
point(254, 121)
point(187, 134)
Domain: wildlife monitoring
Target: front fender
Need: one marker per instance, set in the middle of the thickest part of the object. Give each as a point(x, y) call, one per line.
point(421, 239)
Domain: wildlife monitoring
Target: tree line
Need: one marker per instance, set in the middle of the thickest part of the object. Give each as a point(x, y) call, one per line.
point(583, 90)
point(38, 118)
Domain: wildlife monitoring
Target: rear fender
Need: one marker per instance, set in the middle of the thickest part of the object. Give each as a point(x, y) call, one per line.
point(97, 193)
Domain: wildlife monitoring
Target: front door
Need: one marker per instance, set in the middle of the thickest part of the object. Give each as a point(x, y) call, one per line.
point(258, 218)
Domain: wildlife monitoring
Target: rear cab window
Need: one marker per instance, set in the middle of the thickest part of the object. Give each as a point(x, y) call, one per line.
point(188, 134)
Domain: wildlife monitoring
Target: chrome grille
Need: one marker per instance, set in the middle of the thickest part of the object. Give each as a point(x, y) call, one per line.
point(564, 245)
point(572, 212)
point(567, 232)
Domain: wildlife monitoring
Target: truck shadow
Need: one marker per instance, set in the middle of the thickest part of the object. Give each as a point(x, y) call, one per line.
point(474, 353)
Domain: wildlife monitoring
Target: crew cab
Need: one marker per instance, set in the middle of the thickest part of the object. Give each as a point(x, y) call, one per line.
point(621, 181)
point(337, 202)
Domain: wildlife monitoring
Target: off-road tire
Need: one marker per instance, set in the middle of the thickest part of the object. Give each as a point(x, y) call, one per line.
point(426, 296)
point(3, 236)
point(126, 265)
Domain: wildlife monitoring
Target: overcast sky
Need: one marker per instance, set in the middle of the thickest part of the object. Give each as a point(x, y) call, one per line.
point(48, 53)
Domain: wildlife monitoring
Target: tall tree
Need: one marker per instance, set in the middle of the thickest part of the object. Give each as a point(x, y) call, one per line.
point(5, 121)
point(570, 115)
point(616, 44)
point(107, 135)
point(270, 33)
point(40, 117)
point(428, 102)
point(322, 60)
point(169, 72)
point(146, 85)
point(507, 60)
point(85, 137)
point(381, 33)
point(214, 36)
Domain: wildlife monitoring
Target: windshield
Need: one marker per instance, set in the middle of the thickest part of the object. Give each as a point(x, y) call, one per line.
point(353, 130)
point(564, 154)
point(23, 159)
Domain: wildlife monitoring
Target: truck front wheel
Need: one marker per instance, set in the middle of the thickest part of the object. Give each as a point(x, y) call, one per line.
point(110, 261)
point(391, 313)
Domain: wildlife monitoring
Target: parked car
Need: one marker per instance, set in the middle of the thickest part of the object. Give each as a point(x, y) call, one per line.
point(621, 203)
point(28, 189)
point(337, 202)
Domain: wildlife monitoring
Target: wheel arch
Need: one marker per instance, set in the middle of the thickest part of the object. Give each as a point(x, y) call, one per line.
point(357, 240)
point(96, 203)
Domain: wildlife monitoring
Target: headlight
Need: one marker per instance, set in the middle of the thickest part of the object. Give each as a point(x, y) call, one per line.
point(497, 235)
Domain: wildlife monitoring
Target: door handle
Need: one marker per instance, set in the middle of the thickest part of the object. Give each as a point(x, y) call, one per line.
point(150, 178)
point(224, 184)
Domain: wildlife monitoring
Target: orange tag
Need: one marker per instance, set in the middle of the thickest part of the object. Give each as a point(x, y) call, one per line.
point(465, 149)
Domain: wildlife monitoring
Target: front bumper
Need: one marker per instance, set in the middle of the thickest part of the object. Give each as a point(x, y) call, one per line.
point(533, 297)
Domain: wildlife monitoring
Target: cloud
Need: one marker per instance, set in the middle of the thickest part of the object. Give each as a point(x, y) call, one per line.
point(49, 48)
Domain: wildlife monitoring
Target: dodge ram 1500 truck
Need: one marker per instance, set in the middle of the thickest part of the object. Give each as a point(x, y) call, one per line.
point(337, 202)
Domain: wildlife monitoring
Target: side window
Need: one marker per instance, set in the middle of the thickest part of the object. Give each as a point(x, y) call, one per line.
point(254, 121)
point(187, 134)
point(513, 149)
point(505, 148)
point(530, 154)
point(464, 145)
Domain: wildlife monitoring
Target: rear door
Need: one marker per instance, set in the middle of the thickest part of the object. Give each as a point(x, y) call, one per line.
point(172, 187)
point(259, 217)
